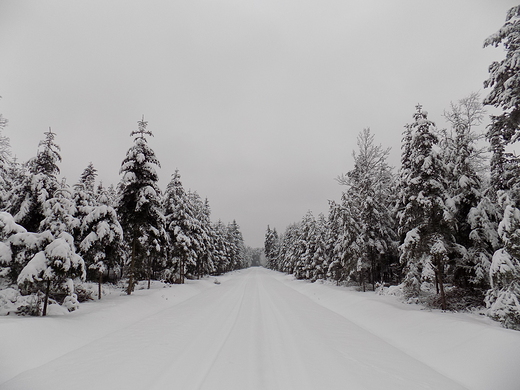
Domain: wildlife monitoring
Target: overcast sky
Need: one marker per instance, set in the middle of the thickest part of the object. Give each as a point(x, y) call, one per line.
point(258, 103)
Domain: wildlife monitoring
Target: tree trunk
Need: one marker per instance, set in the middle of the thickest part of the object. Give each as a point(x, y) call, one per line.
point(181, 272)
point(149, 275)
point(132, 266)
point(441, 288)
point(46, 299)
point(100, 280)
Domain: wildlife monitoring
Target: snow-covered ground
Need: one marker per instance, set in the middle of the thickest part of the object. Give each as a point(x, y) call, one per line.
point(257, 329)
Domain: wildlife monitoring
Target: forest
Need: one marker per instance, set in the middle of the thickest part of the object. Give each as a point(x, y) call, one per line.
point(444, 229)
point(52, 234)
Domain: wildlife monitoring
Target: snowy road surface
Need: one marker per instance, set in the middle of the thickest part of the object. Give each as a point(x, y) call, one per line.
point(255, 330)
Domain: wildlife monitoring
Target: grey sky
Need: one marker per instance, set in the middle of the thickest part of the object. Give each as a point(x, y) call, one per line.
point(258, 103)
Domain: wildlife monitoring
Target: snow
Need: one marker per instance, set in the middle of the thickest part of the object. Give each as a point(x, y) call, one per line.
point(257, 329)
point(8, 226)
point(36, 270)
point(502, 263)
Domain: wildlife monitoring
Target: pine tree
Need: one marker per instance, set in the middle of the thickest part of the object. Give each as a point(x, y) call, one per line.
point(503, 299)
point(271, 248)
point(5, 162)
point(180, 224)
point(331, 237)
point(305, 247)
point(200, 236)
point(319, 260)
point(220, 256)
point(101, 238)
point(424, 221)
point(138, 206)
point(60, 213)
point(58, 264)
point(236, 248)
point(346, 250)
point(371, 197)
point(289, 248)
point(504, 79)
point(37, 186)
point(467, 196)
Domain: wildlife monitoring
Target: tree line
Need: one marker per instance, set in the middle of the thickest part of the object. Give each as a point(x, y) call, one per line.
point(52, 233)
point(448, 221)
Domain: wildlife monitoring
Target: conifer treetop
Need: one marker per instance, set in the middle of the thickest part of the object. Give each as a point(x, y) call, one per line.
point(141, 130)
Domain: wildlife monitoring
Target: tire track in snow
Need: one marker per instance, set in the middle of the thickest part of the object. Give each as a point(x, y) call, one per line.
point(339, 353)
point(211, 341)
point(251, 332)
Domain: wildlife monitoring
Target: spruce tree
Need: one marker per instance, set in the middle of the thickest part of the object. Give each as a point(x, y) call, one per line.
point(503, 299)
point(468, 201)
point(370, 193)
point(236, 248)
point(305, 247)
point(319, 260)
point(180, 222)
point(5, 162)
point(101, 238)
point(504, 79)
point(220, 256)
point(138, 206)
point(271, 248)
point(424, 221)
point(37, 185)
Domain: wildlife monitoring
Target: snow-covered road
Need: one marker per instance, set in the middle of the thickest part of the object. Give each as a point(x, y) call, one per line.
point(253, 331)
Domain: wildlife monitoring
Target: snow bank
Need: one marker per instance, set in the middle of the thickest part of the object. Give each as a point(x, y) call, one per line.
point(29, 342)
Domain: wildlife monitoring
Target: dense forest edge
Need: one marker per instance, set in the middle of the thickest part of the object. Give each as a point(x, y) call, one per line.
point(445, 230)
point(53, 236)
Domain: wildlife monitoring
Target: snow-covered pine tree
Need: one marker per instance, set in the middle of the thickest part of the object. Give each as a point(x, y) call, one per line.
point(370, 186)
point(332, 233)
point(424, 220)
point(347, 247)
point(8, 228)
point(305, 247)
point(289, 248)
point(5, 162)
point(319, 262)
point(84, 199)
point(220, 255)
point(504, 79)
point(102, 238)
point(271, 248)
point(207, 265)
point(235, 243)
point(37, 186)
point(475, 218)
point(503, 298)
point(199, 236)
point(58, 264)
point(60, 213)
point(139, 206)
point(180, 222)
